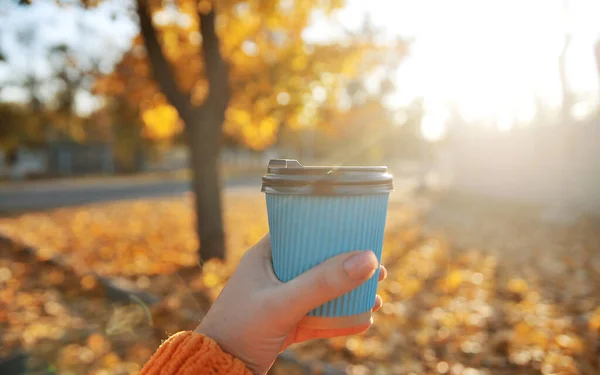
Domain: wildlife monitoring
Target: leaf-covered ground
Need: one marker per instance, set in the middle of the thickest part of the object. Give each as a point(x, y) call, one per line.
point(473, 288)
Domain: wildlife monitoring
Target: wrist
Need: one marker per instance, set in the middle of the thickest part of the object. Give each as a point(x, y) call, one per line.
point(207, 331)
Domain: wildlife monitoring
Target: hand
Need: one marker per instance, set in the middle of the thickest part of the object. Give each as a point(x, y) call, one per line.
point(256, 316)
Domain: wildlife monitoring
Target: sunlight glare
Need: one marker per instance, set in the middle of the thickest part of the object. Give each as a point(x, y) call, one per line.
point(433, 127)
point(505, 124)
point(490, 58)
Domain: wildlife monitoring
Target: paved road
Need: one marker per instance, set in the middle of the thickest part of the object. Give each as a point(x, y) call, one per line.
point(45, 195)
point(61, 193)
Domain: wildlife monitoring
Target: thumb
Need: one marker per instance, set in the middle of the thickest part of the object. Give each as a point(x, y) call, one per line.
point(327, 281)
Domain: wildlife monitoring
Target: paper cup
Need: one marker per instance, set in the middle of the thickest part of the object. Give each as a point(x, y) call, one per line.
point(316, 213)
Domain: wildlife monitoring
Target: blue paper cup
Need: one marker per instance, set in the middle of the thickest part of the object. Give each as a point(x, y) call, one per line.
point(321, 213)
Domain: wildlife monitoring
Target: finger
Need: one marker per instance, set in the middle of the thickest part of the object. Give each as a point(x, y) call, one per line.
point(382, 273)
point(260, 251)
point(256, 265)
point(378, 303)
point(326, 281)
point(264, 245)
point(289, 340)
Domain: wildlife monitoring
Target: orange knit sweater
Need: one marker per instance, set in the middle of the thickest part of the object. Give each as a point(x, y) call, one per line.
point(190, 353)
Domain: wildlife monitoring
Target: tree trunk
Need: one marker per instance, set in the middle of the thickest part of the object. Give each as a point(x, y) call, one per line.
point(206, 184)
point(203, 124)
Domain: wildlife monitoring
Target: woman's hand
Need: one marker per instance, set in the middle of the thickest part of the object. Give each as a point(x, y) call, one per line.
point(256, 316)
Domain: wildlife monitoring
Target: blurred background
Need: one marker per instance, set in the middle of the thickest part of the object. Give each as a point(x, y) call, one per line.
point(133, 134)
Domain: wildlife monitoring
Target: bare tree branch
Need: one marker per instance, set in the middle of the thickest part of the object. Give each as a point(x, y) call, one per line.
point(161, 68)
point(597, 56)
point(215, 66)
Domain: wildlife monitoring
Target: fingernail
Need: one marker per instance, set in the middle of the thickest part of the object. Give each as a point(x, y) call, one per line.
point(361, 266)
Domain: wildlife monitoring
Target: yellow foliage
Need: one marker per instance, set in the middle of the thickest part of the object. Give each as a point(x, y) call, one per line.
point(445, 309)
point(161, 122)
point(517, 286)
point(263, 45)
point(453, 280)
point(594, 322)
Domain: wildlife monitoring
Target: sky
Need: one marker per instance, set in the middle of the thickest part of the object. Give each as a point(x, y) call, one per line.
point(100, 35)
point(489, 58)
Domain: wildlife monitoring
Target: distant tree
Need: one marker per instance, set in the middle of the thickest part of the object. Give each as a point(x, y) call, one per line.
point(567, 93)
point(57, 69)
point(14, 125)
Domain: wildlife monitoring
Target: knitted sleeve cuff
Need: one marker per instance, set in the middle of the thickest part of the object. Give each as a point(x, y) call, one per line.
point(192, 353)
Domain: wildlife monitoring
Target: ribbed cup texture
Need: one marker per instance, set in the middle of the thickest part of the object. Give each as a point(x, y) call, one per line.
point(307, 230)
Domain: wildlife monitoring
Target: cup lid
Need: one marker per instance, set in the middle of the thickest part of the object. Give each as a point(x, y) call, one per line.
point(288, 176)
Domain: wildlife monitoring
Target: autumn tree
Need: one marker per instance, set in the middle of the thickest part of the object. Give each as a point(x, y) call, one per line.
point(236, 68)
point(360, 128)
point(15, 126)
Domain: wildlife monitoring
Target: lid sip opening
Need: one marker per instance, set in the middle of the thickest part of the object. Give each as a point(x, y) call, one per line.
point(284, 163)
point(288, 176)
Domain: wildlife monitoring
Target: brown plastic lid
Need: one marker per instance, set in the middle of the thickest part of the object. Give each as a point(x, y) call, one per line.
point(288, 176)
